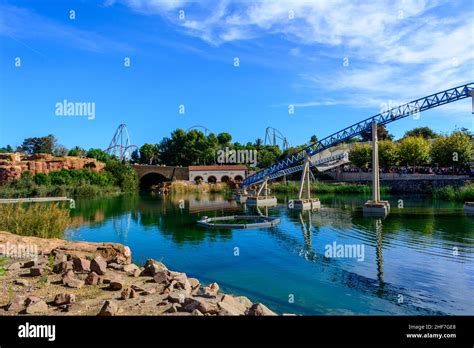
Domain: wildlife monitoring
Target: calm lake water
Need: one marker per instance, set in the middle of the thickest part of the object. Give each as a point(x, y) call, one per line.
point(417, 261)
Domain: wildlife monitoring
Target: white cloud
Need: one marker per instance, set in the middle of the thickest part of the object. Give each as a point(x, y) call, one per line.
point(400, 50)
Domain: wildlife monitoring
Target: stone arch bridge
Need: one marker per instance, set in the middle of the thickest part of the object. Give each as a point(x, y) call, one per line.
point(153, 174)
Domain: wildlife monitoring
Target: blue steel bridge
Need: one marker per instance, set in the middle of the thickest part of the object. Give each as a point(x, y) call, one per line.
point(293, 163)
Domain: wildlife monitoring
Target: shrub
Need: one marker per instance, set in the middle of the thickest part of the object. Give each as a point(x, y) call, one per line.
point(35, 219)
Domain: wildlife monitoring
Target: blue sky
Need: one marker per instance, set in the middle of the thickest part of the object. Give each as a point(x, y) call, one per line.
point(290, 52)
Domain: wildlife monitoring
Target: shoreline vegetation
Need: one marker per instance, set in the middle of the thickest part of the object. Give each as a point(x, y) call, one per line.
point(321, 187)
point(116, 178)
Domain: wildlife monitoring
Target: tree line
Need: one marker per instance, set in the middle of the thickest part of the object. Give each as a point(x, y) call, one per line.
point(419, 147)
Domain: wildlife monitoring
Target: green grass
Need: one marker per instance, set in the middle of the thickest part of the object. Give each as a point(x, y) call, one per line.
point(2, 262)
point(450, 193)
point(319, 187)
point(35, 219)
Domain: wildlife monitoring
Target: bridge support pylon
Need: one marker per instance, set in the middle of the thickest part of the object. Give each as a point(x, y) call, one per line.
point(262, 201)
point(240, 195)
point(375, 206)
point(307, 203)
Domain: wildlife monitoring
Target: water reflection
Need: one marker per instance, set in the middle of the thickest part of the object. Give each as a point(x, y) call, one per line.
point(408, 253)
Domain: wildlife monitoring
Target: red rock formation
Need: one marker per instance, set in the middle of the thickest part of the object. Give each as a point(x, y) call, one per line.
point(13, 165)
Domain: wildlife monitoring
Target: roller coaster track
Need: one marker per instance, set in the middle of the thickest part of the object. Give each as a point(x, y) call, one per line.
point(414, 107)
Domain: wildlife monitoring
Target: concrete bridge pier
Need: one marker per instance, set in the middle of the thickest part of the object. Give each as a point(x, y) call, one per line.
point(376, 207)
point(262, 201)
point(307, 203)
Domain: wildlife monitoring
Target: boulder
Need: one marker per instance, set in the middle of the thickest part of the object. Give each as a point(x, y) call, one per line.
point(93, 279)
point(16, 304)
point(131, 268)
point(128, 293)
point(71, 281)
point(116, 283)
point(161, 277)
point(227, 309)
point(63, 266)
point(64, 299)
point(176, 297)
point(244, 301)
point(259, 309)
point(109, 308)
point(152, 267)
point(99, 265)
point(231, 301)
point(28, 264)
point(181, 282)
point(81, 265)
point(204, 305)
point(38, 271)
point(195, 284)
point(210, 291)
point(36, 307)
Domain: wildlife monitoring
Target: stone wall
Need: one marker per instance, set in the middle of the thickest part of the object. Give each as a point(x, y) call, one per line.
point(422, 185)
point(13, 165)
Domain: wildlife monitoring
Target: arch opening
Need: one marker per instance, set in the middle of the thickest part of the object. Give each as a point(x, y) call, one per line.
point(238, 178)
point(198, 180)
point(212, 179)
point(225, 178)
point(151, 179)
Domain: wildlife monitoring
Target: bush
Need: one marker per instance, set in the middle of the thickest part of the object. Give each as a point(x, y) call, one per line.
point(450, 193)
point(36, 219)
point(42, 179)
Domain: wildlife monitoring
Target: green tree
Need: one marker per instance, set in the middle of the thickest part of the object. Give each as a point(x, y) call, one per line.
point(125, 176)
point(38, 145)
point(267, 155)
point(454, 150)
point(99, 155)
point(382, 134)
point(388, 154)
point(77, 151)
point(361, 155)
point(414, 151)
point(149, 153)
point(224, 139)
point(424, 132)
point(6, 149)
point(313, 139)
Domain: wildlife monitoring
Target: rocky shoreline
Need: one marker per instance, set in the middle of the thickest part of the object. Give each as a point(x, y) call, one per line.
point(85, 278)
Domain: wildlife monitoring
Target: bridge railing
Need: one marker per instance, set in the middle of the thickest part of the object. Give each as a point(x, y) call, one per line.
point(394, 114)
